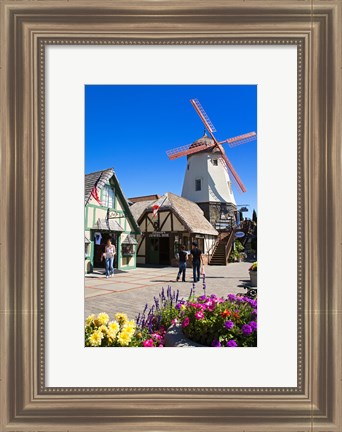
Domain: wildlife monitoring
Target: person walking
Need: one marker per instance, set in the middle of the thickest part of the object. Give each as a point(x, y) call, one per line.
point(197, 261)
point(109, 257)
point(183, 256)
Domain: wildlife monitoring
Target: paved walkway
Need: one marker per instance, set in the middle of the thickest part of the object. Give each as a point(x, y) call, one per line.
point(129, 291)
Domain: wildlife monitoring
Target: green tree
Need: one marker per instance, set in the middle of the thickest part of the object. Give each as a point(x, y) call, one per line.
point(254, 217)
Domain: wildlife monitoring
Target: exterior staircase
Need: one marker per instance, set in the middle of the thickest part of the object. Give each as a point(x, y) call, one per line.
point(222, 249)
point(218, 257)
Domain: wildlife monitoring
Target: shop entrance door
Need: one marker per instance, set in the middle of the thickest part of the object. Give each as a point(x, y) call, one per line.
point(100, 248)
point(154, 250)
point(164, 250)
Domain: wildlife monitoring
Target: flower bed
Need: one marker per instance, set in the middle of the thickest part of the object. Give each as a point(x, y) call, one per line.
point(206, 320)
point(217, 322)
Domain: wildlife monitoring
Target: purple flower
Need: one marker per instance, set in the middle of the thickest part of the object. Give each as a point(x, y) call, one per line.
point(253, 303)
point(202, 298)
point(253, 324)
point(254, 312)
point(229, 324)
point(215, 343)
point(231, 297)
point(231, 343)
point(246, 329)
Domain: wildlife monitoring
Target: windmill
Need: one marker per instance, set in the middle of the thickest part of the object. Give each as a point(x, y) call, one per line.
point(209, 172)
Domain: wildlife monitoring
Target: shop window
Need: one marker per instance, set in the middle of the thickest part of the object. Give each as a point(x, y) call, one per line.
point(108, 196)
point(198, 185)
point(127, 249)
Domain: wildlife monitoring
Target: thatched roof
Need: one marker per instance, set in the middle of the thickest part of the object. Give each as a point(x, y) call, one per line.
point(139, 207)
point(188, 212)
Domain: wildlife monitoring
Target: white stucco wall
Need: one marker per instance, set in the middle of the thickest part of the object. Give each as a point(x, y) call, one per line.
point(215, 180)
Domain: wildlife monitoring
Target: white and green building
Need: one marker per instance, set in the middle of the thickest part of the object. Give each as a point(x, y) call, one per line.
point(112, 219)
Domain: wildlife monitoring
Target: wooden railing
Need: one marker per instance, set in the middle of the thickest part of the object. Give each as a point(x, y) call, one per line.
point(220, 237)
point(229, 245)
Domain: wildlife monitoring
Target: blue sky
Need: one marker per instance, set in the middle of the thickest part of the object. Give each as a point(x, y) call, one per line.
point(130, 127)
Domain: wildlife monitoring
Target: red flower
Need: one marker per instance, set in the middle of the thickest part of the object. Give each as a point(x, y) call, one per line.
point(225, 313)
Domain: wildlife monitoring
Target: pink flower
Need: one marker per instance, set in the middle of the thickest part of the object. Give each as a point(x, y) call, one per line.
point(174, 321)
point(199, 315)
point(161, 346)
point(186, 322)
point(148, 343)
point(156, 336)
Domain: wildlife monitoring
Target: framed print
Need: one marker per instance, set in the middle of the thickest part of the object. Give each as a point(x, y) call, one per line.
point(96, 93)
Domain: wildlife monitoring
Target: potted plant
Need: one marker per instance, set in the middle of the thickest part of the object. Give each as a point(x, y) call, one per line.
point(253, 273)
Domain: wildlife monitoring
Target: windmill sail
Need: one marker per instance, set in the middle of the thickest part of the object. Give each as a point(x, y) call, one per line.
point(203, 116)
point(187, 149)
point(232, 173)
point(241, 139)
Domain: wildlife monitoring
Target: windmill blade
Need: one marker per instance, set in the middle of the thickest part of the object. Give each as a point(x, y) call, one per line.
point(187, 149)
point(240, 139)
point(203, 116)
point(232, 173)
point(231, 177)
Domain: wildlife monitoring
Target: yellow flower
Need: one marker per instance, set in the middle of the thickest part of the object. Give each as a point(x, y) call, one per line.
point(130, 329)
point(96, 338)
point(124, 338)
point(103, 329)
point(113, 328)
point(131, 323)
point(103, 318)
point(90, 319)
point(121, 317)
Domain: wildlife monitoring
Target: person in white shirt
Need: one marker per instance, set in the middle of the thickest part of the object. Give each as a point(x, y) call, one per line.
point(109, 257)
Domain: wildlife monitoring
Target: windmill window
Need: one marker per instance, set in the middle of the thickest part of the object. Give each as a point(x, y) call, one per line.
point(215, 162)
point(198, 184)
point(188, 167)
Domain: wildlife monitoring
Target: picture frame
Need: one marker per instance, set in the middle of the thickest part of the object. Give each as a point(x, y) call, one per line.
point(27, 28)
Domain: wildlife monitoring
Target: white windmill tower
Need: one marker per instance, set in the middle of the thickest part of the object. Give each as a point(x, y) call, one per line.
point(208, 174)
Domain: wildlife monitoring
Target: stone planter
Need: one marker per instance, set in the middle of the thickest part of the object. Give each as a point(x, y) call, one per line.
point(254, 278)
point(175, 338)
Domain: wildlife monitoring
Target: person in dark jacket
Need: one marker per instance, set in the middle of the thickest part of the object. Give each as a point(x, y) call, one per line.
point(197, 261)
point(183, 256)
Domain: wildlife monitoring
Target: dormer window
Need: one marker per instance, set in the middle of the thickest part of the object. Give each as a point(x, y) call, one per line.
point(198, 185)
point(108, 196)
point(215, 162)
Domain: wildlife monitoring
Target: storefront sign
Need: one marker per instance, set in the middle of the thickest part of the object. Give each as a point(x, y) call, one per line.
point(114, 214)
point(159, 234)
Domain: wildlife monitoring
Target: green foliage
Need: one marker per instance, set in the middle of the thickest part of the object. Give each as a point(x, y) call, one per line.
point(238, 246)
point(234, 256)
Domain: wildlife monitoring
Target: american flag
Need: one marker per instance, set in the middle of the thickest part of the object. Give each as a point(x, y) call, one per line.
point(95, 194)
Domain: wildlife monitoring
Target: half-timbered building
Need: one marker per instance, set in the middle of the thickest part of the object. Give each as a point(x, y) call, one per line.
point(109, 218)
point(167, 223)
